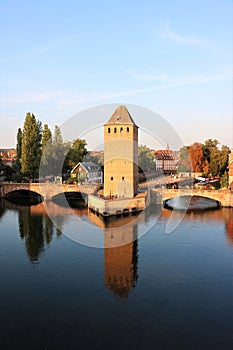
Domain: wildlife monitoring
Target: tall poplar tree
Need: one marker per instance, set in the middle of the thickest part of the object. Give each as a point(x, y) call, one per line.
point(31, 147)
point(17, 164)
point(46, 136)
point(59, 150)
point(45, 166)
point(185, 162)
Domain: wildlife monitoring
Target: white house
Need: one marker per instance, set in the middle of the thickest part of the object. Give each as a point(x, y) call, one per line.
point(87, 172)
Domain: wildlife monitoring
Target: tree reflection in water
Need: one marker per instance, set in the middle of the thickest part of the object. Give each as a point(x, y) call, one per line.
point(32, 232)
point(120, 237)
point(2, 207)
point(35, 228)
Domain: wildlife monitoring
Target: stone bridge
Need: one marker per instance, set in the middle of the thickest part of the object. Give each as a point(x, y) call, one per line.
point(46, 190)
point(50, 190)
point(223, 197)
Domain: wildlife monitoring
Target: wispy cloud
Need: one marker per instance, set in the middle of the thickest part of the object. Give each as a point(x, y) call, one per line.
point(178, 38)
point(181, 39)
point(32, 97)
point(145, 77)
point(61, 98)
point(189, 81)
point(40, 49)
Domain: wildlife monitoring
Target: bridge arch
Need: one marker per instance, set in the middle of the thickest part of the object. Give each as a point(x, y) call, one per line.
point(71, 199)
point(191, 202)
point(223, 197)
point(24, 196)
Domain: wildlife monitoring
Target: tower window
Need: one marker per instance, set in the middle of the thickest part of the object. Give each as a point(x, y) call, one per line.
point(111, 178)
point(121, 129)
point(123, 178)
point(127, 129)
point(109, 130)
point(115, 130)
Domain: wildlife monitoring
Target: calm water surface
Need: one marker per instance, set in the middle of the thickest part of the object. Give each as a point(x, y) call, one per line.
point(163, 291)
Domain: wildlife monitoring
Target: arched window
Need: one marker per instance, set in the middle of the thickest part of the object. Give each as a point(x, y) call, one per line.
point(127, 129)
point(109, 130)
point(115, 130)
point(121, 129)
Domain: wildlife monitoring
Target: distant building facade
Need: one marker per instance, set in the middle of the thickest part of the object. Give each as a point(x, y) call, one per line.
point(8, 156)
point(120, 155)
point(87, 172)
point(165, 161)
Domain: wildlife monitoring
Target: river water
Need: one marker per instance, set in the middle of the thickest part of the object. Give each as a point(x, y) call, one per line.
point(161, 291)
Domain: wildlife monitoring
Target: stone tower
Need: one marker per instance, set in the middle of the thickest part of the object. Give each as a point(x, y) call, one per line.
point(120, 155)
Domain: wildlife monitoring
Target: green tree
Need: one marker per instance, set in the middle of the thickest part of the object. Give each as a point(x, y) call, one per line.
point(224, 180)
point(185, 162)
point(209, 145)
point(19, 149)
point(217, 158)
point(223, 161)
point(31, 147)
point(46, 136)
point(98, 159)
point(58, 152)
point(45, 168)
point(76, 153)
point(2, 168)
point(17, 164)
point(145, 159)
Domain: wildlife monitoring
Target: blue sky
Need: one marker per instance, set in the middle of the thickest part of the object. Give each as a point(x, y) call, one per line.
point(174, 57)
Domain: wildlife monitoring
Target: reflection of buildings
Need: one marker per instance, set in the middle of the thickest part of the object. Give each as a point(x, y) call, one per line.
point(214, 216)
point(121, 248)
point(37, 232)
point(120, 262)
point(120, 253)
point(228, 217)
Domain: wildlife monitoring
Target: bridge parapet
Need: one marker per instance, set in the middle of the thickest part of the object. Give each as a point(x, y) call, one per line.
point(46, 190)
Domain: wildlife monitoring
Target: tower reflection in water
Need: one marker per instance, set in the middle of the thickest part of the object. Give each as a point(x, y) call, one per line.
point(120, 241)
point(121, 248)
point(120, 237)
point(120, 263)
point(120, 253)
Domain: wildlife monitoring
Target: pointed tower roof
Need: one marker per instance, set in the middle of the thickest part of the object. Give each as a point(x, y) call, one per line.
point(121, 116)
